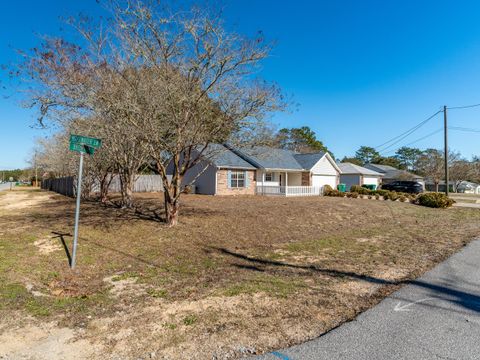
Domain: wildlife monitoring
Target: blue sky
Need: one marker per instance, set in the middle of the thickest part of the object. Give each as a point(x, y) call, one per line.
point(362, 72)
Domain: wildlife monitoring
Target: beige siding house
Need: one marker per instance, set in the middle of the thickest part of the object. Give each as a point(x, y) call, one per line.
point(357, 175)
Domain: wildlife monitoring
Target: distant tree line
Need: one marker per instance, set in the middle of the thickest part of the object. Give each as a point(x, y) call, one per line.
point(16, 174)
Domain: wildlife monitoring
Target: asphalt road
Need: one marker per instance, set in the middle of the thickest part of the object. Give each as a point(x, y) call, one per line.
point(435, 317)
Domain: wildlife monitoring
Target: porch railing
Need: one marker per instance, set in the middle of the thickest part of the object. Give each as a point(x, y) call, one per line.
point(289, 190)
point(303, 191)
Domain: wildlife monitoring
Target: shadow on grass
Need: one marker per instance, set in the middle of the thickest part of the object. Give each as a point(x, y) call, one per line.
point(464, 299)
point(104, 214)
point(64, 244)
point(62, 236)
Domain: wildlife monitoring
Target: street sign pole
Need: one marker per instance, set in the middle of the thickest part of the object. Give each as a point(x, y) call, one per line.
point(83, 145)
point(77, 212)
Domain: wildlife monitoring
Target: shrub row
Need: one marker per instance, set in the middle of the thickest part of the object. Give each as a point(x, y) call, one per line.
point(434, 200)
point(358, 190)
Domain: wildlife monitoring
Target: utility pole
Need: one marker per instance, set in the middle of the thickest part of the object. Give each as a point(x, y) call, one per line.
point(445, 133)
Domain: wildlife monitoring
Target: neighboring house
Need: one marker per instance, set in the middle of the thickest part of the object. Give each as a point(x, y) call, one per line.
point(391, 174)
point(352, 174)
point(263, 171)
point(453, 186)
point(468, 187)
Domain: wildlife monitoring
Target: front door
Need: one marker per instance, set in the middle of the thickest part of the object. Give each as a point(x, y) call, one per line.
point(280, 179)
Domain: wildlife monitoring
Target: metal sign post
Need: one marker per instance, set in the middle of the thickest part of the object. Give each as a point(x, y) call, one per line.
point(83, 145)
point(77, 211)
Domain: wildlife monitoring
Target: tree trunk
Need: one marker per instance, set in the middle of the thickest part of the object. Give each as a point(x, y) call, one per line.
point(171, 210)
point(126, 187)
point(105, 182)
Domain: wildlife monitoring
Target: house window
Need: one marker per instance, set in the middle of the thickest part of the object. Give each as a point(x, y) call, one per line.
point(269, 176)
point(237, 179)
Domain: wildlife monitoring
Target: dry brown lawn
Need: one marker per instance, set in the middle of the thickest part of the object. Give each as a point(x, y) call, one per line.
point(239, 275)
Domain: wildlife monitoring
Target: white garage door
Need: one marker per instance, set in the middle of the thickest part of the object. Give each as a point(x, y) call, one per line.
point(322, 180)
point(370, 181)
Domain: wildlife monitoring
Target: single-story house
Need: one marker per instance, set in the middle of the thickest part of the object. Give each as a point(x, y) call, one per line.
point(229, 170)
point(440, 187)
point(468, 187)
point(465, 187)
point(391, 174)
point(352, 174)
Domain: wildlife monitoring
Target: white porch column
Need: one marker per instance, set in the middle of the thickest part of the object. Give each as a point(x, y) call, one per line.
point(286, 183)
point(263, 182)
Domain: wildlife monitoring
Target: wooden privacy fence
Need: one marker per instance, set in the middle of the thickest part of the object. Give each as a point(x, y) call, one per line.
point(67, 185)
point(143, 183)
point(63, 185)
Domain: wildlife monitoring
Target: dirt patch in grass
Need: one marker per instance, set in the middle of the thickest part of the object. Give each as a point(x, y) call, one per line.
point(239, 275)
point(45, 341)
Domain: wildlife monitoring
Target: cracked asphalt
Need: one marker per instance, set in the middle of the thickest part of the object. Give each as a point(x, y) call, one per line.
point(434, 317)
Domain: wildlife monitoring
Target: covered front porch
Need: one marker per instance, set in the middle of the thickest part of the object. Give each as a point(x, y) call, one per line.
point(285, 183)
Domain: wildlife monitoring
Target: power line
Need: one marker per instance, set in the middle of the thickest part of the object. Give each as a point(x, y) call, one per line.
point(416, 141)
point(464, 129)
point(394, 141)
point(405, 134)
point(463, 107)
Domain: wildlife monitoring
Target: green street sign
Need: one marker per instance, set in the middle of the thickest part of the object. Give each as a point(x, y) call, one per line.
point(84, 140)
point(82, 148)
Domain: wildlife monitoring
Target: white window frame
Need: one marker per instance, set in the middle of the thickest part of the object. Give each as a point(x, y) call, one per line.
point(237, 179)
point(269, 175)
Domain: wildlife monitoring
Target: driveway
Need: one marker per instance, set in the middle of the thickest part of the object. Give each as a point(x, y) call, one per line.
point(434, 317)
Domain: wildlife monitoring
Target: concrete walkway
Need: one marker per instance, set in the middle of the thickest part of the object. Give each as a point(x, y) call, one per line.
point(435, 317)
point(467, 205)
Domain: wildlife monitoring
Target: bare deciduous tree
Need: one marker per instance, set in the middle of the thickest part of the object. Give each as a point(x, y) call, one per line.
point(167, 83)
point(431, 164)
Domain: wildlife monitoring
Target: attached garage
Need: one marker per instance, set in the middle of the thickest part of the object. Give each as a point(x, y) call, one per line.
point(352, 174)
point(323, 171)
point(322, 180)
point(371, 180)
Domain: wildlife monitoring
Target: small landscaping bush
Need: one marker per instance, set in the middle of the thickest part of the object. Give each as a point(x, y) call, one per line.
point(435, 200)
point(361, 190)
point(377, 196)
point(354, 195)
point(383, 193)
point(354, 188)
point(336, 193)
point(393, 196)
point(412, 197)
point(403, 198)
point(327, 189)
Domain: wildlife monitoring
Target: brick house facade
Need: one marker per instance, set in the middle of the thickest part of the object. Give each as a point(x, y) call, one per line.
point(223, 187)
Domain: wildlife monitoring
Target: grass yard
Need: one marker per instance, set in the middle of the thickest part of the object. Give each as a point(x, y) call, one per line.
point(239, 275)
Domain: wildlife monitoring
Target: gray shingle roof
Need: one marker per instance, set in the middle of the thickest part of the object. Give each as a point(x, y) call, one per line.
point(348, 168)
point(380, 168)
point(221, 156)
point(260, 157)
point(400, 174)
point(307, 161)
point(389, 172)
point(269, 158)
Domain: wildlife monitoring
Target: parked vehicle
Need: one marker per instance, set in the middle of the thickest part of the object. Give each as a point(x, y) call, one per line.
point(413, 187)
